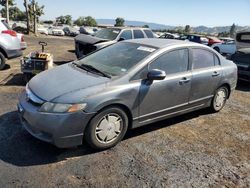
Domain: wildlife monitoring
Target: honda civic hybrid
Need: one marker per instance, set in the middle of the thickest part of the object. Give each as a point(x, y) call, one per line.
point(123, 86)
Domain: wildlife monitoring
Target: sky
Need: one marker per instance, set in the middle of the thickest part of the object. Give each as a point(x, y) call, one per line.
point(174, 12)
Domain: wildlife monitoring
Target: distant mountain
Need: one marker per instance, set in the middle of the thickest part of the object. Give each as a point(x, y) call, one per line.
point(136, 23)
point(156, 26)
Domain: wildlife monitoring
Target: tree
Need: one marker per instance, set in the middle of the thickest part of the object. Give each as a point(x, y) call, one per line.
point(89, 21)
point(64, 19)
point(15, 14)
point(6, 4)
point(232, 30)
point(187, 29)
point(25, 4)
point(145, 26)
point(119, 22)
point(79, 21)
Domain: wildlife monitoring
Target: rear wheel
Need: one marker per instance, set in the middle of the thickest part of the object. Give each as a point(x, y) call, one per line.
point(2, 61)
point(107, 128)
point(220, 98)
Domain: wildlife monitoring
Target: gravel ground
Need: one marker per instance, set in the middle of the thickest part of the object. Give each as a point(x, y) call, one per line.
point(194, 150)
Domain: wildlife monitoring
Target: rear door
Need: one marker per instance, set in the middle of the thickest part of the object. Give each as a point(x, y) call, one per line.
point(206, 75)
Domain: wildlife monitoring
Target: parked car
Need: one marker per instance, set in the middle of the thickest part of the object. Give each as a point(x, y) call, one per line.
point(87, 30)
point(195, 38)
point(169, 36)
point(70, 31)
point(213, 40)
point(242, 56)
point(228, 47)
point(125, 85)
point(43, 30)
point(23, 44)
point(10, 44)
point(85, 44)
point(57, 31)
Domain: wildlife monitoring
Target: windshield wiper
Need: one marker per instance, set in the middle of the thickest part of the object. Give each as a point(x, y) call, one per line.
point(90, 68)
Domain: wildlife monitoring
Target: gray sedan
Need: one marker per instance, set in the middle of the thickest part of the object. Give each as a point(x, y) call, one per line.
point(123, 86)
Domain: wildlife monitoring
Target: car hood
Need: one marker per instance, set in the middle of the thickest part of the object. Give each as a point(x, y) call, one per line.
point(88, 39)
point(63, 80)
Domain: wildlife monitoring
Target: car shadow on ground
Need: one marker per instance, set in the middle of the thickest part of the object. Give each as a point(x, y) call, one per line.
point(243, 86)
point(15, 80)
point(17, 147)
point(6, 67)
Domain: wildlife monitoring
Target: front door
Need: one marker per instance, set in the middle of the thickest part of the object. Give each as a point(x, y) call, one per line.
point(162, 97)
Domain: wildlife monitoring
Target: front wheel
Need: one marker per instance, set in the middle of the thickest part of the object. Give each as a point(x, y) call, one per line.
point(220, 98)
point(107, 128)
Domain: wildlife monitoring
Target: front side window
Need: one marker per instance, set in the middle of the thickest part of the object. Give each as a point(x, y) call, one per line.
point(117, 59)
point(127, 34)
point(172, 62)
point(138, 34)
point(202, 59)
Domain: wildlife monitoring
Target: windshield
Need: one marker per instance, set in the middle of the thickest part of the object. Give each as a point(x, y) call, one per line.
point(108, 33)
point(117, 59)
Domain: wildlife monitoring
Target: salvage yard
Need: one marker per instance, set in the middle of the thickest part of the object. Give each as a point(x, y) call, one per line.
point(198, 149)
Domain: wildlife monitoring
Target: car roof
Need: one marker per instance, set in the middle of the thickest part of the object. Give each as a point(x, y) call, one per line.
point(162, 43)
point(128, 28)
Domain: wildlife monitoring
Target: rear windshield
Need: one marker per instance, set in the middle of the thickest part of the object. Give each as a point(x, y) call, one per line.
point(243, 37)
point(119, 58)
point(108, 33)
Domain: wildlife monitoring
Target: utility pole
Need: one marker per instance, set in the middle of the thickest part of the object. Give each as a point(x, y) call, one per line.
point(27, 15)
point(7, 11)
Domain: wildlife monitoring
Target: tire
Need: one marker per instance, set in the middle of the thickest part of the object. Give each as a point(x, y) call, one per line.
point(217, 49)
point(107, 128)
point(2, 61)
point(219, 99)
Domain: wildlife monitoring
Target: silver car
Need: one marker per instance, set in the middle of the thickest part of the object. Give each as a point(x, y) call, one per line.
point(123, 86)
point(10, 44)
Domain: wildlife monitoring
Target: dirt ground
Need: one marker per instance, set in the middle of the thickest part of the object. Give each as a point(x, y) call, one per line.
point(195, 150)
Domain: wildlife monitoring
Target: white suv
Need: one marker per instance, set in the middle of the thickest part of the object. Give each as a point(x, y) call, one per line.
point(10, 45)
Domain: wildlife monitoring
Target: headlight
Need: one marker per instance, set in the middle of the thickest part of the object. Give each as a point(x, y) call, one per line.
point(61, 108)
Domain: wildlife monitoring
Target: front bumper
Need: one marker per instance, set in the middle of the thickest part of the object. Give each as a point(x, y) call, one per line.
point(63, 130)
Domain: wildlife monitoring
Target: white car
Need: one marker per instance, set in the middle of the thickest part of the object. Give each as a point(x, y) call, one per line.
point(43, 30)
point(227, 47)
point(56, 31)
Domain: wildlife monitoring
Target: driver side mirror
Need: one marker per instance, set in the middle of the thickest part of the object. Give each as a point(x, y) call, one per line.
point(156, 74)
point(121, 39)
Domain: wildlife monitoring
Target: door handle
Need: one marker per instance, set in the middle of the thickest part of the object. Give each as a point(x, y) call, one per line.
point(184, 80)
point(215, 73)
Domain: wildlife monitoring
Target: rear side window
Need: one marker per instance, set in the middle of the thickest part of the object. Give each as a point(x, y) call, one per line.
point(127, 34)
point(172, 62)
point(149, 33)
point(216, 60)
point(138, 34)
point(202, 59)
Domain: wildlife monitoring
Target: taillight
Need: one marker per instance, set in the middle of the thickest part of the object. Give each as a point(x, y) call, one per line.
point(10, 32)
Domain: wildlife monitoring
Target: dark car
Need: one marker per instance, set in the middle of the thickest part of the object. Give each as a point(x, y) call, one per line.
point(242, 56)
point(85, 44)
point(195, 38)
point(123, 86)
